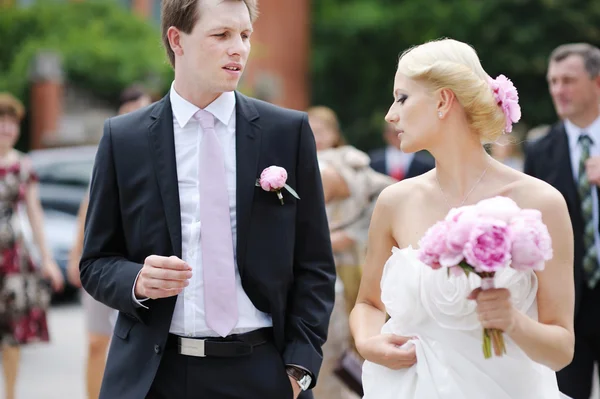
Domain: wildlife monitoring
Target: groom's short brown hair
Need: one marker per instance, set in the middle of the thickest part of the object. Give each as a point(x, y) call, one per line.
point(183, 15)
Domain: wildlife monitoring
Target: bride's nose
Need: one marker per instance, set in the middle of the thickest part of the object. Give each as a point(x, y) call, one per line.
point(392, 117)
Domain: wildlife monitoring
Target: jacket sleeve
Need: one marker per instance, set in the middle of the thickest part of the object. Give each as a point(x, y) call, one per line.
point(312, 294)
point(106, 274)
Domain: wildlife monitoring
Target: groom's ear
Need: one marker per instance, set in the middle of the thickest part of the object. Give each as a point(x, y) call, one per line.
point(174, 36)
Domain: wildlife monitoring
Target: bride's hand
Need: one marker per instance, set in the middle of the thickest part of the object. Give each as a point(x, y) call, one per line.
point(384, 349)
point(495, 309)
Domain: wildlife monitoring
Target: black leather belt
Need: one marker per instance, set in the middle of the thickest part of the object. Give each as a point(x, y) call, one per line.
point(231, 346)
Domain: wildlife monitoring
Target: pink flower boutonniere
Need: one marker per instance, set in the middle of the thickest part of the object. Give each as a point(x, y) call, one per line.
point(273, 178)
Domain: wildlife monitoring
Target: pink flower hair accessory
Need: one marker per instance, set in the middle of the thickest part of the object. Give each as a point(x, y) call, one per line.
point(507, 98)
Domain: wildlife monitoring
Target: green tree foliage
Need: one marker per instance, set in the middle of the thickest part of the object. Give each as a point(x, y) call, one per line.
point(356, 44)
point(104, 47)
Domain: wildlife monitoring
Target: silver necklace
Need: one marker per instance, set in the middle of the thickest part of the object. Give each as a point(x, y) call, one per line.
point(469, 193)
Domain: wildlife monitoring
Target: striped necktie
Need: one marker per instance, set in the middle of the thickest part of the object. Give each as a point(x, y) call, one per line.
point(591, 267)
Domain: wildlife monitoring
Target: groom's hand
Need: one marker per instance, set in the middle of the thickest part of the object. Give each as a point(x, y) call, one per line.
point(295, 387)
point(162, 277)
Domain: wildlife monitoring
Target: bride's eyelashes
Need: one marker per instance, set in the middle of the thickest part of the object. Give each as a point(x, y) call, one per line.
point(402, 98)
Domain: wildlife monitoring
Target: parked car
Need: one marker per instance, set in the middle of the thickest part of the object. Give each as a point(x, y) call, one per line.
point(64, 175)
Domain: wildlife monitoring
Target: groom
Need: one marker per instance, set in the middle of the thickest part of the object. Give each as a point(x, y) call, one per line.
point(223, 291)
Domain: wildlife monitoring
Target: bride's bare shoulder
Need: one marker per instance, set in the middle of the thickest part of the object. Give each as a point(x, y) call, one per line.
point(530, 192)
point(401, 193)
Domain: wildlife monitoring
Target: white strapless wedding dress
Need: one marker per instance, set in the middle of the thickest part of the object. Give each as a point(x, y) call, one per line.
point(431, 306)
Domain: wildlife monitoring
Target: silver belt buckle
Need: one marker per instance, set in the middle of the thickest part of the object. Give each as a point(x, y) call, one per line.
point(191, 347)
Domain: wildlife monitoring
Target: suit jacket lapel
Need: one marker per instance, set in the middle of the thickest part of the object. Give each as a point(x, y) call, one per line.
point(162, 141)
point(564, 169)
point(247, 151)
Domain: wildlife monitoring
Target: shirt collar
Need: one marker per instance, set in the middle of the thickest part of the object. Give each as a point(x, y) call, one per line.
point(573, 132)
point(183, 110)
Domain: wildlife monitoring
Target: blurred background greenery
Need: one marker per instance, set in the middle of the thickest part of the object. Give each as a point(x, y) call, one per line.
point(354, 48)
point(103, 46)
point(356, 44)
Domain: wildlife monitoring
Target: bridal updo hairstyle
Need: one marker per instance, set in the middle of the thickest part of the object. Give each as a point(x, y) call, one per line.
point(454, 65)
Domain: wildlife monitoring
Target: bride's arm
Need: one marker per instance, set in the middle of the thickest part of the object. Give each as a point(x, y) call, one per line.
point(368, 315)
point(551, 340)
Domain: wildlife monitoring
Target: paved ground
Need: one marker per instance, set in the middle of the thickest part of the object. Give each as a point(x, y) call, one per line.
point(55, 371)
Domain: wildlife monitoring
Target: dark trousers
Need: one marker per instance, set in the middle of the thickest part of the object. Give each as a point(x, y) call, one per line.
point(575, 380)
point(260, 375)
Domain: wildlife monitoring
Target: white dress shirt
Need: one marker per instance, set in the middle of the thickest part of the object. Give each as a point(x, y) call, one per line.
point(573, 133)
point(396, 159)
point(188, 316)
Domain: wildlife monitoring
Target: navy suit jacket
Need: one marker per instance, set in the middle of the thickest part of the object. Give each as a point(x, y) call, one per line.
point(283, 251)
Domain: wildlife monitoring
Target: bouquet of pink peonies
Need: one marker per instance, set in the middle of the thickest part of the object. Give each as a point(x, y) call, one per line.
point(483, 239)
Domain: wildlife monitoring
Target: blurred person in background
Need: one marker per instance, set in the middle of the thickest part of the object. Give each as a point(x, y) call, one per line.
point(536, 133)
point(392, 161)
point(507, 150)
point(99, 318)
point(351, 187)
point(568, 157)
point(24, 292)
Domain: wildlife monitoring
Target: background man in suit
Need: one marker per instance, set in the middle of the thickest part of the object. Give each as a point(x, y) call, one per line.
point(223, 291)
point(568, 157)
point(390, 160)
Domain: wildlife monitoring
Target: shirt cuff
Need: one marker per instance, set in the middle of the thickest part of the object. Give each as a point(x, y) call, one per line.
point(301, 368)
point(137, 302)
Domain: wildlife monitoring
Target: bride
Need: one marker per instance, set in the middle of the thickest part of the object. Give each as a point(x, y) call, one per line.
point(430, 348)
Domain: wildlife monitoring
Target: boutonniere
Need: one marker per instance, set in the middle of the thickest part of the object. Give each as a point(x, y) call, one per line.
point(273, 178)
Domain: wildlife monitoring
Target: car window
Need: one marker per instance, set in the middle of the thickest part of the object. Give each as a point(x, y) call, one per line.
point(76, 173)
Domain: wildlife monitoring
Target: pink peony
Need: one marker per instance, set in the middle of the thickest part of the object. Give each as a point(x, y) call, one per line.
point(507, 98)
point(460, 223)
point(530, 214)
point(433, 244)
point(499, 208)
point(273, 178)
point(531, 242)
point(456, 271)
point(489, 245)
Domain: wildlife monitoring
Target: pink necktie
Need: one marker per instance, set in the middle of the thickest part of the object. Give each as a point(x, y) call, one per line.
point(216, 240)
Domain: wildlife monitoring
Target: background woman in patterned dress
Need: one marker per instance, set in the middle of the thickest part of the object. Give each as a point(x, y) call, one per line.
point(349, 185)
point(24, 290)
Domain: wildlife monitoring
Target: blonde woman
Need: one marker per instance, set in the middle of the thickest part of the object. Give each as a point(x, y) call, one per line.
point(431, 346)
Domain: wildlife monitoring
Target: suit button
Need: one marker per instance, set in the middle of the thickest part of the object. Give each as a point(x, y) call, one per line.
point(157, 349)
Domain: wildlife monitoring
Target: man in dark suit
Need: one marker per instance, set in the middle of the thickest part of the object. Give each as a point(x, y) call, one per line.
point(568, 157)
point(224, 289)
point(391, 161)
